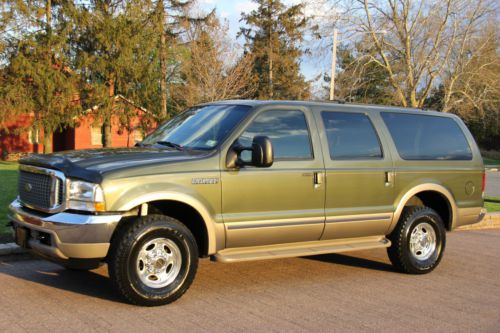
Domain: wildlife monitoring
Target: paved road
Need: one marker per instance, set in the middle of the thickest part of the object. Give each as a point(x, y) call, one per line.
point(493, 184)
point(354, 292)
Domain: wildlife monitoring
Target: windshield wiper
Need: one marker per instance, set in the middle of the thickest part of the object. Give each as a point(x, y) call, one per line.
point(171, 144)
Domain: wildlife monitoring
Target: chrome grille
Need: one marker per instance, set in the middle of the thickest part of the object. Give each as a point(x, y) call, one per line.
point(60, 192)
point(41, 189)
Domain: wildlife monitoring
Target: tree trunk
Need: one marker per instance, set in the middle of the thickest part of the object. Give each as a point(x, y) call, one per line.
point(48, 16)
point(163, 59)
point(270, 51)
point(107, 133)
point(47, 142)
point(413, 98)
point(108, 142)
point(47, 134)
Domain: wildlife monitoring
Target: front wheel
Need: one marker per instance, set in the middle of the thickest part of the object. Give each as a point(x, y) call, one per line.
point(153, 260)
point(418, 241)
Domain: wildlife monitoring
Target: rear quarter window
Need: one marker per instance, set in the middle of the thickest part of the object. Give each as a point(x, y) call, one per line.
point(425, 137)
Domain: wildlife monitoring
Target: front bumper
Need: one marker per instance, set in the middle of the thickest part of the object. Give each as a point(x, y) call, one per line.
point(64, 236)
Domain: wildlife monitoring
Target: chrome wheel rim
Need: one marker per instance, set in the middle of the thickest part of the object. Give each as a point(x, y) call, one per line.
point(158, 262)
point(423, 241)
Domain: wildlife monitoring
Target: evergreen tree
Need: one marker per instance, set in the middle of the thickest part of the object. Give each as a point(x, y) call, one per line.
point(168, 16)
point(38, 78)
point(273, 36)
point(116, 53)
point(359, 79)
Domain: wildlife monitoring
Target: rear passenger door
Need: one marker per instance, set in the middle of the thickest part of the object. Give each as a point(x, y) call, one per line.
point(359, 175)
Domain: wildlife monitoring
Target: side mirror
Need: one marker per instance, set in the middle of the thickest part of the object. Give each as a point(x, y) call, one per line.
point(262, 154)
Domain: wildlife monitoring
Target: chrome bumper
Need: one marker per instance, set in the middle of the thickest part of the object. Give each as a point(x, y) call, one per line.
point(65, 235)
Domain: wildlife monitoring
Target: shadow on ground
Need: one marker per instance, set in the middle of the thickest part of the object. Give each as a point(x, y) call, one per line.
point(97, 284)
point(346, 260)
point(90, 283)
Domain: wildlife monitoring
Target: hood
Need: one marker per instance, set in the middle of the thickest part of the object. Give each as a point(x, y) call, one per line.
point(91, 164)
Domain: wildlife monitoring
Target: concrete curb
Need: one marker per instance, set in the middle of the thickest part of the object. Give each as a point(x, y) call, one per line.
point(10, 249)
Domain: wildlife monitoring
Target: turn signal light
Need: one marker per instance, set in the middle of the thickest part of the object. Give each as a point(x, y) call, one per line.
point(99, 207)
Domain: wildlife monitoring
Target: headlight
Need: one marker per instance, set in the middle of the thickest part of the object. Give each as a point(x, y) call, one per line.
point(85, 196)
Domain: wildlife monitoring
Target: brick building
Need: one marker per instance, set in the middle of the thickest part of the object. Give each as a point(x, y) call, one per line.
point(18, 137)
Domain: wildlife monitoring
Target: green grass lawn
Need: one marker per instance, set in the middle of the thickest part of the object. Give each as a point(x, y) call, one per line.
point(492, 204)
point(8, 191)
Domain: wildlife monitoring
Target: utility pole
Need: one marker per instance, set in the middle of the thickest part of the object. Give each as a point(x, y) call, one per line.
point(334, 65)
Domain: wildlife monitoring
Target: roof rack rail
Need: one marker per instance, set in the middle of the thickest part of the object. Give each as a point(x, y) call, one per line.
point(339, 101)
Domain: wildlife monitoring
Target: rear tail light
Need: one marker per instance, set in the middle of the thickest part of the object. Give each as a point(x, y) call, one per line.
point(484, 182)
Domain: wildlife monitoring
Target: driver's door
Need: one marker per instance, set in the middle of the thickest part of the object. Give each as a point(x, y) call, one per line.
point(282, 203)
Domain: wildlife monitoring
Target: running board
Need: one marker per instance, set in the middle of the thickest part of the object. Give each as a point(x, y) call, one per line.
point(299, 249)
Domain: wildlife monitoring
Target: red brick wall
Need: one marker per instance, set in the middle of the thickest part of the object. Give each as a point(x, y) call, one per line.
point(120, 136)
point(79, 137)
point(82, 134)
point(11, 143)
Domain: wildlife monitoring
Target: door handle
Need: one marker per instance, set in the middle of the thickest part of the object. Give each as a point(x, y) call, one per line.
point(389, 178)
point(318, 178)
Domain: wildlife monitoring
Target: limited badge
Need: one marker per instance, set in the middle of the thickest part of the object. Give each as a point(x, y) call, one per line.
point(204, 180)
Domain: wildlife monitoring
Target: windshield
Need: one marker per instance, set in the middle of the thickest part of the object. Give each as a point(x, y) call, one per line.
point(203, 127)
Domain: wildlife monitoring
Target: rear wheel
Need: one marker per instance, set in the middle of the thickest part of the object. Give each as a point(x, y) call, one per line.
point(418, 241)
point(153, 260)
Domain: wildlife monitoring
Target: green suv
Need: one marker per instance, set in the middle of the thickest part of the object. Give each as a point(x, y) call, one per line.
point(247, 180)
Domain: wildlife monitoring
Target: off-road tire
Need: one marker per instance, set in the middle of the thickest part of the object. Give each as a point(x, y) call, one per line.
point(123, 253)
point(399, 251)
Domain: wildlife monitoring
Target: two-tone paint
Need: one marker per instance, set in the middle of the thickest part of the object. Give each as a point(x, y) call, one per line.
point(290, 204)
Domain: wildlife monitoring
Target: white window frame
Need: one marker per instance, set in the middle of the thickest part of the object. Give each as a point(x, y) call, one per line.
point(96, 139)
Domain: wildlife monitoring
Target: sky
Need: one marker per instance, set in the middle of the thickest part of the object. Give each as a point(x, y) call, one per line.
point(311, 66)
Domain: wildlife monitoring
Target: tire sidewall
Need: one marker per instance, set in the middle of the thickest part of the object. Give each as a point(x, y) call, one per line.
point(144, 235)
point(435, 222)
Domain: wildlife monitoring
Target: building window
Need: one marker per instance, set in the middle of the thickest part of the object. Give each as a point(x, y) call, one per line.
point(33, 136)
point(96, 135)
point(138, 137)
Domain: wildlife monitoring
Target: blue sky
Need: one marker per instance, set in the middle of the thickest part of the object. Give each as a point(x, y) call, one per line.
point(231, 10)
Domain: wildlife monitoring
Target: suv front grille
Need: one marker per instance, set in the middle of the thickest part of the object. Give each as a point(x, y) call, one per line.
point(40, 189)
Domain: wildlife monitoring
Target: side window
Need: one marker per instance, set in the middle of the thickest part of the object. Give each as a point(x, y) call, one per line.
point(427, 137)
point(351, 136)
point(33, 135)
point(287, 131)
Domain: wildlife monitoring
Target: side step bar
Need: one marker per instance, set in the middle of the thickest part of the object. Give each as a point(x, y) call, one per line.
point(299, 249)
